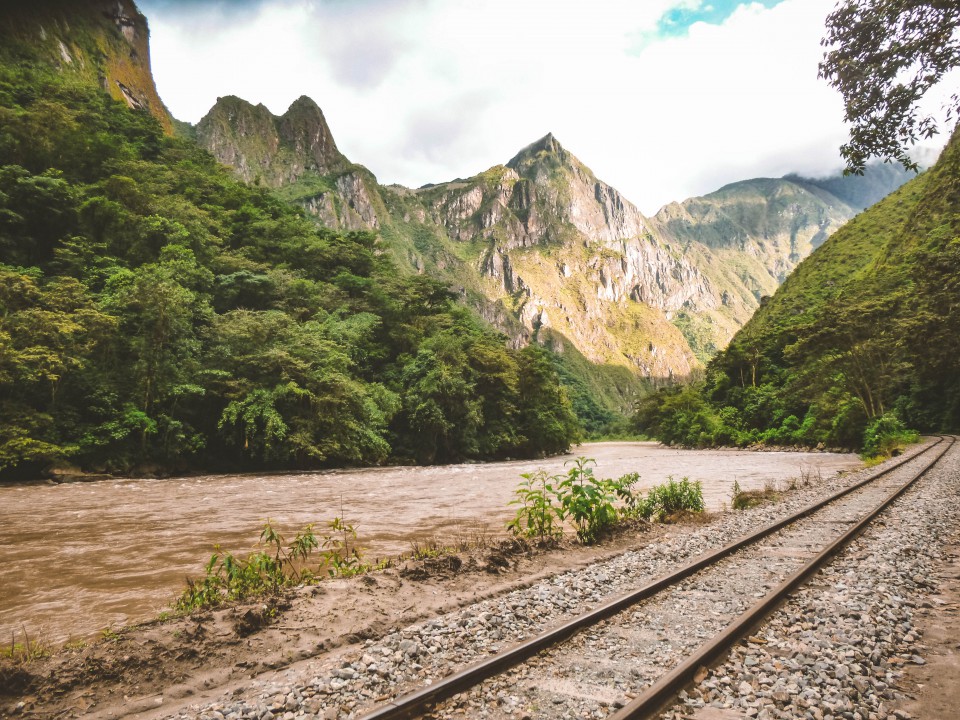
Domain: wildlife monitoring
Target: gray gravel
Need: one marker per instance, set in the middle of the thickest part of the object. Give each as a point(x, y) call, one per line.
point(418, 654)
point(837, 649)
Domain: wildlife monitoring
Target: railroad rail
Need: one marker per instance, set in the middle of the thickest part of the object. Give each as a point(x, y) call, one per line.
point(663, 690)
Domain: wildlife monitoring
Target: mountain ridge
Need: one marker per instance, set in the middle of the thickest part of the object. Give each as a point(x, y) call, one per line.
point(508, 237)
point(859, 343)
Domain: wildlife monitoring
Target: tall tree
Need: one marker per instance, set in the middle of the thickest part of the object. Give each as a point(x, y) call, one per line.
point(883, 56)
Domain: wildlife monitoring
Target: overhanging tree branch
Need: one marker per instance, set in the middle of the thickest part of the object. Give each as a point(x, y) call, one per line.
point(883, 56)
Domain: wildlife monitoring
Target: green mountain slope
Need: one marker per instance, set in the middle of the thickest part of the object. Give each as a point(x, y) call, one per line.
point(158, 315)
point(863, 334)
point(96, 42)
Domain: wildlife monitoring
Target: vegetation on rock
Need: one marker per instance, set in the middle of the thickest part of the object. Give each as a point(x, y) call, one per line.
point(156, 313)
point(860, 342)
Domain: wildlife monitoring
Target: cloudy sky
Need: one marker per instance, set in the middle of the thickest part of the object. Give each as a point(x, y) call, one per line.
point(663, 99)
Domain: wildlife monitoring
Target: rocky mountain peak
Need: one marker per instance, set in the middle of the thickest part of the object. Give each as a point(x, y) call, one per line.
point(261, 146)
point(305, 128)
point(546, 150)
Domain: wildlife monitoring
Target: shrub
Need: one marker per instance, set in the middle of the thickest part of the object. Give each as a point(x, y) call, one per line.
point(672, 497)
point(537, 516)
point(592, 504)
point(274, 566)
point(587, 501)
point(886, 436)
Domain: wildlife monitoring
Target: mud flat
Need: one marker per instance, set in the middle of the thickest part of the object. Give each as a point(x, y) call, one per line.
point(78, 558)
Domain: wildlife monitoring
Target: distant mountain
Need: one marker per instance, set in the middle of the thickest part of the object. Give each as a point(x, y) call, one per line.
point(860, 191)
point(861, 339)
point(540, 246)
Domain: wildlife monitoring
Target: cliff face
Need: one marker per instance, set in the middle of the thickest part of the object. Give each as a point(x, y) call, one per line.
point(103, 41)
point(542, 243)
point(294, 153)
point(564, 250)
point(264, 148)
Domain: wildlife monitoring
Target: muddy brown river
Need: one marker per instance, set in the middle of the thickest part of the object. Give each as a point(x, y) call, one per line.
point(79, 558)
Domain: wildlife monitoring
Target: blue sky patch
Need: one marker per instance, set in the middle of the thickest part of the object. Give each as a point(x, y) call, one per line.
point(676, 22)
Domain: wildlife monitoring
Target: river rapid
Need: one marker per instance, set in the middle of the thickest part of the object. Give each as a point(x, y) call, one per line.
point(79, 558)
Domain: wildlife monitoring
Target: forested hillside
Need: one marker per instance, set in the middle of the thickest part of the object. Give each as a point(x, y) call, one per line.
point(156, 313)
point(861, 340)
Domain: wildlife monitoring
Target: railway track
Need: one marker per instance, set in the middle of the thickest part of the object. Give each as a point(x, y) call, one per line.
point(628, 657)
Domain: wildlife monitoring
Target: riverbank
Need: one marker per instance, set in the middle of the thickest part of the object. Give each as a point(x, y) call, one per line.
point(80, 558)
point(154, 669)
point(146, 669)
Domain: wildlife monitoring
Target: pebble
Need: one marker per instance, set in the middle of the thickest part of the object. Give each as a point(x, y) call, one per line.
point(832, 654)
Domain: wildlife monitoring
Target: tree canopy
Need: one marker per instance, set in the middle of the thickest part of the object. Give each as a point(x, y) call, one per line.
point(884, 56)
point(157, 314)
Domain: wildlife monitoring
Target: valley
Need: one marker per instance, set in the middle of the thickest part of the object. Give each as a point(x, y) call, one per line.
point(541, 246)
point(209, 330)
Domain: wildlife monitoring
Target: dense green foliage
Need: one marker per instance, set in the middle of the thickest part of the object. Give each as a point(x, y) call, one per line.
point(861, 341)
point(156, 313)
point(883, 56)
point(592, 505)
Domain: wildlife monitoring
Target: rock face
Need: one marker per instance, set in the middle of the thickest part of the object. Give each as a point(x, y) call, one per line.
point(564, 250)
point(102, 41)
point(261, 147)
point(541, 243)
point(296, 154)
point(774, 223)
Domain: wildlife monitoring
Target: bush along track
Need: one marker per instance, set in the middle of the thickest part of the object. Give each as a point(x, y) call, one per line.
point(275, 566)
point(594, 505)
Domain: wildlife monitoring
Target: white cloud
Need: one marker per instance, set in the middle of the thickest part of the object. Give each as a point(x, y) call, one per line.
point(427, 90)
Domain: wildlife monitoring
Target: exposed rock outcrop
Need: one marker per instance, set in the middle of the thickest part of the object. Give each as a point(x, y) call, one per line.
point(262, 147)
point(106, 42)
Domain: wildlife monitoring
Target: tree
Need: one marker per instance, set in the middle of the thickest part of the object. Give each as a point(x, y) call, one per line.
point(883, 56)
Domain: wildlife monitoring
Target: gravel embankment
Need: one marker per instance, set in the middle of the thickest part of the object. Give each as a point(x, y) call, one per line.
point(837, 649)
point(405, 660)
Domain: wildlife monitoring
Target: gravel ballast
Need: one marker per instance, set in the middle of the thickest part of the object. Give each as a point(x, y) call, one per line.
point(838, 648)
point(416, 655)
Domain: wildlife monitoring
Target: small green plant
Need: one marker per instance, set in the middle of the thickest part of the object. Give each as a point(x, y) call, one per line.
point(671, 498)
point(429, 548)
point(537, 517)
point(274, 566)
point(591, 504)
point(110, 635)
point(23, 652)
point(742, 499)
point(587, 501)
point(340, 556)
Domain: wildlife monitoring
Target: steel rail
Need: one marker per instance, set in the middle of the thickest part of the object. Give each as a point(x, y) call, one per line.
point(662, 692)
point(419, 701)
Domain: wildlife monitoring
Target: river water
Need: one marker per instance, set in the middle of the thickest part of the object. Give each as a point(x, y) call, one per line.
point(78, 558)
